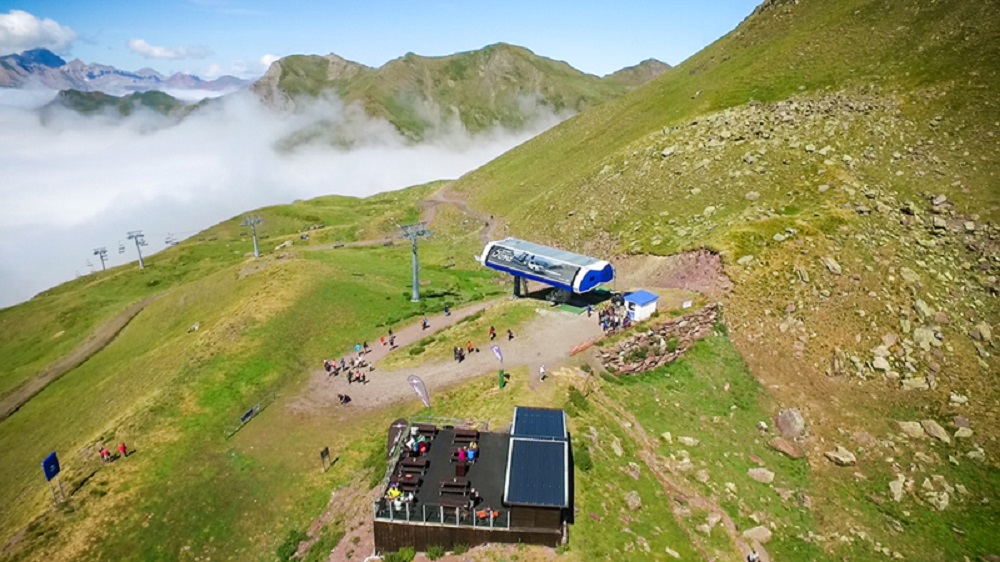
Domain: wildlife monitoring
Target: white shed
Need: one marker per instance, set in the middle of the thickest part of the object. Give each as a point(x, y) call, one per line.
point(641, 305)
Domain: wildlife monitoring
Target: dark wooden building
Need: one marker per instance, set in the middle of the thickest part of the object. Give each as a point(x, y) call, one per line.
point(516, 489)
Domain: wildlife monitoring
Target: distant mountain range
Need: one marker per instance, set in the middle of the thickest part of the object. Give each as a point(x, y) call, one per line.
point(40, 67)
point(498, 85)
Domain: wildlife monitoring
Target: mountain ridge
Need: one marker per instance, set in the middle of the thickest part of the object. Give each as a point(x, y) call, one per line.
point(43, 67)
point(497, 85)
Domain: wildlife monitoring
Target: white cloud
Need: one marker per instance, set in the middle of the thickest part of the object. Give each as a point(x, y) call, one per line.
point(100, 177)
point(21, 31)
point(268, 59)
point(141, 47)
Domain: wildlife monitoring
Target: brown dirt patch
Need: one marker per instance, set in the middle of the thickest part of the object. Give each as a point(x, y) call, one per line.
point(699, 271)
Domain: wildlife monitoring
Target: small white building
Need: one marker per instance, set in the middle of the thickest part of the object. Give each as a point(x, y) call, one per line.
point(640, 305)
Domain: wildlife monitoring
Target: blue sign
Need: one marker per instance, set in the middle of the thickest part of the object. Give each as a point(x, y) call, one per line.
point(50, 466)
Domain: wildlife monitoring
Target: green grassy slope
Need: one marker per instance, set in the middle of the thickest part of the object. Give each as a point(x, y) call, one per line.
point(783, 50)
point(175, 395)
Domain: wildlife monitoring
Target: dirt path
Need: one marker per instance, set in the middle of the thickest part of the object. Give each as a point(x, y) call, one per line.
point(675, 486)
point(544, 341)
point(442, 196)
point(429, 211)
point(101, 337)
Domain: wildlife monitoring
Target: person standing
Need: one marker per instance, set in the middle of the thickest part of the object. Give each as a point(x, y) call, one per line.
point(447, 310)
point(510, 334)
point(123, 449)
point(493, 333)
point(541, 373)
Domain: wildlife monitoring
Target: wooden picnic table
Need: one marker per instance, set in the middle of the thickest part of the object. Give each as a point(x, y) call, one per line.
point(455, 481)
point(453, 502)
point(466, 433)
point(414, 462)
point(407, 478)
point(426, 429)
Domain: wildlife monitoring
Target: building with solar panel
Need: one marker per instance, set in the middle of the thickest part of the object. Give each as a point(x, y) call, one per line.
point(515, 488)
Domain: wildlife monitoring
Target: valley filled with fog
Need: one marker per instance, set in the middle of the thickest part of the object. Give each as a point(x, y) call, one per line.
point(72, 183)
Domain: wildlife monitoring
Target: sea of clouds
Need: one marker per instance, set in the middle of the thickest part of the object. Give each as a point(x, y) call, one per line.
point(70, 184)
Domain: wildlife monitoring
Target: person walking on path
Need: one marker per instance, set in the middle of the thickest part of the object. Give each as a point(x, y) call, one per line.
point(541, 373)
point(510, 334)
point(425, 324)
point(447, 310)
point(590, 310)
point(493, 333)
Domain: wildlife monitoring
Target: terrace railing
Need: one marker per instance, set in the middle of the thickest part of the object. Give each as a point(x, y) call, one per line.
point(428, 514)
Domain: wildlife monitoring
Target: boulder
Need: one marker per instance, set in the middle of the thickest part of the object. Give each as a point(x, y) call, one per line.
point(923, 309)
point(787, 447)
point(790, 423)
point(841, 457)
point(745, 260)
point(982, 332)
point(762, 475)
point(896, 487)
point(935, 430)
point(881, 364)
point(831, 265)
point(915, 384)
point(912, 429)
point(760, 534)
point(688, 441)
point(633, 501)
point(963, 433)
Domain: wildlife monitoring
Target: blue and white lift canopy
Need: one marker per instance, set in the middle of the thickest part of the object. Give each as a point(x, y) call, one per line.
point(552, 266)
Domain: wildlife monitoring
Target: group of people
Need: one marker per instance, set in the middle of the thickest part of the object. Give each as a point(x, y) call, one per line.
point(398, 497)
point(468, 454)
point(612, 318)
point(460, 353)
point(417, 445)
point(106, 455)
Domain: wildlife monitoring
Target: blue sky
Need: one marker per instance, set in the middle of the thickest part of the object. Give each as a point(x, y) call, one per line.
point(209, 37)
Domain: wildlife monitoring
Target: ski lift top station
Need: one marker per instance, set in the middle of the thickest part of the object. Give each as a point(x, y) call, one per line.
point(564, 270)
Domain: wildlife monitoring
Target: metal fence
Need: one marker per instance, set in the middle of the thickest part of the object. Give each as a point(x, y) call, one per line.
point(438, 515)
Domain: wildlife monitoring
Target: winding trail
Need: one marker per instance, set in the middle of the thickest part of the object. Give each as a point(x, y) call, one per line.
point(101, 337)
point(429, 208)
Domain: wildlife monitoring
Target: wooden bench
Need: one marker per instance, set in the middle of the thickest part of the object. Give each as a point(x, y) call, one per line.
point(426, 429)
point(454, 485)
point(465, 436)
point(418, 462)
point(453, 502)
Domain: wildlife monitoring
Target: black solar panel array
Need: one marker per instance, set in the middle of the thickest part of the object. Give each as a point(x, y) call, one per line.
point(539, 423)
point(539, 452)
point(537, 473)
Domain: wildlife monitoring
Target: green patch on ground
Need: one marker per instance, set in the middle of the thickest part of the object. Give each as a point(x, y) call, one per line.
point(439, 347)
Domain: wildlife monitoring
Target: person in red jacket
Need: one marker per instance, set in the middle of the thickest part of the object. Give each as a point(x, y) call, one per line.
point(123, 449)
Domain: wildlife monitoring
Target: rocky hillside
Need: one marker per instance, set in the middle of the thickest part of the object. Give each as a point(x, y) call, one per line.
point(841, 157)
point(500, 85)
point(40, 67)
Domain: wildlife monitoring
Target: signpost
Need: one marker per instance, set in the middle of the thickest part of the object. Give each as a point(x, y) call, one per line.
point(499, 354)
point(51, 468)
